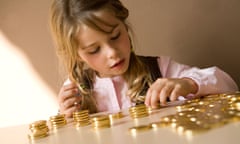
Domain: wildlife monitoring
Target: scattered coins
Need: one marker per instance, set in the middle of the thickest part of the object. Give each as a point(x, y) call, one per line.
point(81, 118)
point(38, 129)
point(164, 122)
point(138, 111)
point(200, 115)
point(57, 121)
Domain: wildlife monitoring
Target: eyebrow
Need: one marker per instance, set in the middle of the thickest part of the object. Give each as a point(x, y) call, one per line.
point(114, 27)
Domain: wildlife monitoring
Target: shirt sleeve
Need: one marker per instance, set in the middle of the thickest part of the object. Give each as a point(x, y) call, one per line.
point(211, 80)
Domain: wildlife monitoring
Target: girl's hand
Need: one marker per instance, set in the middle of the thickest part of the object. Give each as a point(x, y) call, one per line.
point(171, 88)
point(69, 99)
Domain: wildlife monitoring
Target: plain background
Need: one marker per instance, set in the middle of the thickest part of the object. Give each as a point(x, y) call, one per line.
point(194, 32)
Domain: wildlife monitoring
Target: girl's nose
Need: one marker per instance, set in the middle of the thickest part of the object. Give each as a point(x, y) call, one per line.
point(111, 51)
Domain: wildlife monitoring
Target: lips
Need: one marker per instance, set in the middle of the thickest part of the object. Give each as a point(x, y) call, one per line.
point(118, 64)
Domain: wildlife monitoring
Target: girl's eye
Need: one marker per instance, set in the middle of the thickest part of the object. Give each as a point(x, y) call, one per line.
point(95, 50)
point(116, 37)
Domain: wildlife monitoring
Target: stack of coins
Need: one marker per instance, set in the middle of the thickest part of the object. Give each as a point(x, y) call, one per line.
point(81, 118)
point(57, 121)
point(138, 111)
point(102, 121)
point(39, 129)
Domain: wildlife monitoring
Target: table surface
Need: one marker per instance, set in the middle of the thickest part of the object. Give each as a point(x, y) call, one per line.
point(119, 133)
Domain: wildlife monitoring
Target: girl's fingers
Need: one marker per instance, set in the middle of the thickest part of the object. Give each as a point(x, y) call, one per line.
point(175, 93)
point(154, 99)
point(71, 101)
point(70, 105)
point(148, 97)
point(152, 96)
point(165, 93)
point(67, 94)
point(164, 88)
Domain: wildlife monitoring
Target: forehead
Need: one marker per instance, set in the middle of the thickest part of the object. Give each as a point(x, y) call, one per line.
point(103, 22)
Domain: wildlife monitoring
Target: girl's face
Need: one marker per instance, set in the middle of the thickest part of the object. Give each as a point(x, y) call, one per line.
point(106, 53)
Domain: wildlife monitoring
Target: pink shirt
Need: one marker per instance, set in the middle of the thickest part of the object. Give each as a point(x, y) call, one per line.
point(110, 93)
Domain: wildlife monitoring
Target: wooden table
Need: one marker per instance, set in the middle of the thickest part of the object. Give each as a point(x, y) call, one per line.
point(119, 133)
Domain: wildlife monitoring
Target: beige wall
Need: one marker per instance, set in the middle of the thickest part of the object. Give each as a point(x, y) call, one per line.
point(29, 75)
point(194, 32)
point(199, 33)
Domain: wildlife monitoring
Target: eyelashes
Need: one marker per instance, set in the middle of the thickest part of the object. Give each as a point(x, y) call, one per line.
point(95, 50)
point(116, 37)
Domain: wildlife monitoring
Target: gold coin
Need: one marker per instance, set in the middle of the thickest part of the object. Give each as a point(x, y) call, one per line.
point(57, 121)
point(38, 123)
point(138, 107)
point(236, 105)
point(82, 117)
point(139, 115)
point(160, 124)
point(139, 128)
point(32, 137)
point(82, 124)
point(81, 120)
point(38, 133)
point(54, 126)
point(101, 122)
point(117, 115)
point(203, 102)
point(100, 118)
point(56, 117)
point(81, 113)
point(192, 101)
point(234, 116)
point(46, 129)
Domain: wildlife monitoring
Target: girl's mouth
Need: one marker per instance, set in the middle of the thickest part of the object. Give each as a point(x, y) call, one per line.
point(118, 64)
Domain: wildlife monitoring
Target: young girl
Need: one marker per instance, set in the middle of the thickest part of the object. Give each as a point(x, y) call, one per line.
point(94, 40)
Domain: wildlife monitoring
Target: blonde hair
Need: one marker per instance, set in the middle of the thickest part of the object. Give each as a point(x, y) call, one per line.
point(66, 17)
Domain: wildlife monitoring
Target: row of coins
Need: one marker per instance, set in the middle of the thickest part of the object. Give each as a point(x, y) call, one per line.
point(82, 118)
point(38, 129)
point(138, 111)
point(200, 115)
